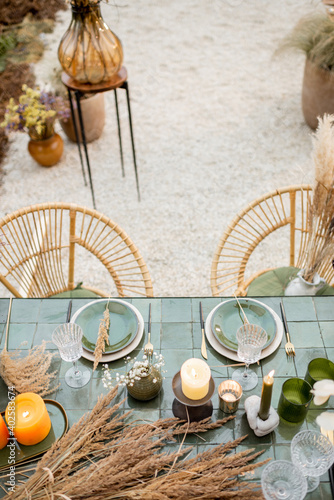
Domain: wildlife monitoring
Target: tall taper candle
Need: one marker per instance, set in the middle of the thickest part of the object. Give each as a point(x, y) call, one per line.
point(267, 389)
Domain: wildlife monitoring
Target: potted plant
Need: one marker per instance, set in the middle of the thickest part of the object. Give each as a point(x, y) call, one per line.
point(314, 36)
point(92, 110)
point(142, 379)
point(35, 113)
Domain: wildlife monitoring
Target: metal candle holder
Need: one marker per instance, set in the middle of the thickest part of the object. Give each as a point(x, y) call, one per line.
point(194, 410)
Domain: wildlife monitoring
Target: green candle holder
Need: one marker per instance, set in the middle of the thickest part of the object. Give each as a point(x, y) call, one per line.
point(319, 369)
point(295, 400)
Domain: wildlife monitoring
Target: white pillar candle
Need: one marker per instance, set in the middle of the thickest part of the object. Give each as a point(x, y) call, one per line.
point(195, 377)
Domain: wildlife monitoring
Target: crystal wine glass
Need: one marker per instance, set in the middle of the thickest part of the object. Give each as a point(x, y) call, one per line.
point(313, 454)
point(251, 339)
point(283, 480)
point(67, 337)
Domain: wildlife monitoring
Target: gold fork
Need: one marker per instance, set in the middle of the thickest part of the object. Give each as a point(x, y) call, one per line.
point(148, 348)
point(289, 347)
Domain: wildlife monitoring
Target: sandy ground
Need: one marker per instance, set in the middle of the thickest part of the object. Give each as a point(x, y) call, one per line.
point(217, 122)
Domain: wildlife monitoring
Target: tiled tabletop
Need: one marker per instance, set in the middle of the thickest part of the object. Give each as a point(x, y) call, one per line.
point(176, 334)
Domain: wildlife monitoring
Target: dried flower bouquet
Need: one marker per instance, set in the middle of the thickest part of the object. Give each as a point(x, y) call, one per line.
point(30, 373)
point(103, 457)
point(135, 371)
point(35, 113)
point(320, 247)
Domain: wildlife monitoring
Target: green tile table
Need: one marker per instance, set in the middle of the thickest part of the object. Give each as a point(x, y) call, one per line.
point(176, 334)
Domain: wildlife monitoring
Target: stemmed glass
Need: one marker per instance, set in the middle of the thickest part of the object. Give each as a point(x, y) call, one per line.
point(67, 337)
point(313, 454)
point(251, 339)
point(282, 480)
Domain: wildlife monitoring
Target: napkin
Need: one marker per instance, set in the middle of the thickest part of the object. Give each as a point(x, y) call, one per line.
point(259, 426)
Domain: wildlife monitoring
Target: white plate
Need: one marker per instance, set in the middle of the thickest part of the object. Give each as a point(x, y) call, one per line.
point(106, 358)
point(233, 355)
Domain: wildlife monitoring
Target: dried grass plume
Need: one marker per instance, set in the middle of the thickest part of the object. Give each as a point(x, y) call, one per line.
point(102, 336)
point(320, 248)
point(104, 457)
point(30, 373)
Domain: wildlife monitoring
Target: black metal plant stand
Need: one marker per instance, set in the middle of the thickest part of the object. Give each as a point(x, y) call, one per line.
point(119, 81)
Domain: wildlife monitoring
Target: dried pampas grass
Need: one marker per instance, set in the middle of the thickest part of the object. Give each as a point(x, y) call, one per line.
point(103, 458)
point(102, 336)
point(320, 248)
point(30, 373)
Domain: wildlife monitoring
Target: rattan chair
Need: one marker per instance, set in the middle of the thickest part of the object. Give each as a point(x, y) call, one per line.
point(279, 217)
point(44, 248)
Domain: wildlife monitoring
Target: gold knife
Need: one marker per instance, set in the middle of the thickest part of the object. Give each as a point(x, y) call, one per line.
point(203, 346)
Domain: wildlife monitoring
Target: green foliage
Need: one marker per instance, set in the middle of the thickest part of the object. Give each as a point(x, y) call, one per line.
point(313, 35)
point(7, 43)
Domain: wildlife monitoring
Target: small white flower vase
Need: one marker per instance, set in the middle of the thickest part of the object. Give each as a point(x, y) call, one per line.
point(299, 286)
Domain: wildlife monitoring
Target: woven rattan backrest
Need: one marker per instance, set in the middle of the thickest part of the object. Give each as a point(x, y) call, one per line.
point(261, 218)
point(43, 247)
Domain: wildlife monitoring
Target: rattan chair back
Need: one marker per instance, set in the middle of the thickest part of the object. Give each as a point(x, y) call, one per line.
point(50, 248)
point(231, 271)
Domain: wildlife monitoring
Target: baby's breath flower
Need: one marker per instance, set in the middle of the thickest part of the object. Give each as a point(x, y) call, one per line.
point(136, 370)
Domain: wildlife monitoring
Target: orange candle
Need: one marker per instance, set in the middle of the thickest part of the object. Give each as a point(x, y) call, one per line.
point(4, 434)
point(32, 422)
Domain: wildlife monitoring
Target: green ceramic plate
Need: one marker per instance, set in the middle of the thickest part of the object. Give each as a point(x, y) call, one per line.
point(228, 318)
point(59, 425)
point(123, 324)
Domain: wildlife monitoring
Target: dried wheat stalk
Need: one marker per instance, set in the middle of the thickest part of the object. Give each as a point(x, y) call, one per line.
point(321, 211)
point(30, 373)
point(102, 336)
point(103, 457)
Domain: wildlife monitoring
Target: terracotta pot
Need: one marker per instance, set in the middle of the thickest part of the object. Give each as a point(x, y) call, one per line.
point(46, 152)
point(317, 93)
point(93, 115)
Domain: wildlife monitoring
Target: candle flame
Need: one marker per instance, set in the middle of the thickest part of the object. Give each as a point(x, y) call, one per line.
point(25, 414)
point(194, 373)
point(271, 374)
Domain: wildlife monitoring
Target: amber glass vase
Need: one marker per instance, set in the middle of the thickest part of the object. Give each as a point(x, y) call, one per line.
point(89, 52)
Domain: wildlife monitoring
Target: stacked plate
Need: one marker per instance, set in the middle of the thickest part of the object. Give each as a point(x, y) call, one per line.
point(125, 331)
point(224, 320)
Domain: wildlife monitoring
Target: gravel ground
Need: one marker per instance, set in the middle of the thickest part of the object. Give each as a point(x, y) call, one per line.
point(217, 121)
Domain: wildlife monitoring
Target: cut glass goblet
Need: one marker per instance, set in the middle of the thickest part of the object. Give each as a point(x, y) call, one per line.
point(282, 480)
point(313, 454)
point(251, 339)
point(67, 337)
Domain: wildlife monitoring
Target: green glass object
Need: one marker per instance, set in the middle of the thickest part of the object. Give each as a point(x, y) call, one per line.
point(148, 387)
point(319, 369)
point(295, 400)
